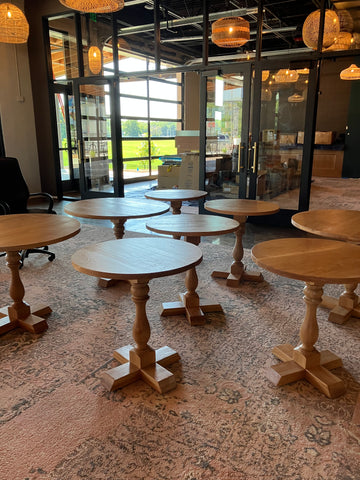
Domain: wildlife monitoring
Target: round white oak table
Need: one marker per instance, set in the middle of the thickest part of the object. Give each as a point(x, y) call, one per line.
point(192, 227)
point(316, 262)
point(21, 232)
point(138, 260)
point(240, 209)
point(118, 211)
point(176, 196)
point(342, 225)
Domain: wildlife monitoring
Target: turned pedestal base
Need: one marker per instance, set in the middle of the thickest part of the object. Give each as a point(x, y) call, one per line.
point(147, 365)
point(313, 366)
point(33, 322)
point(343, 308)
point(238, 272)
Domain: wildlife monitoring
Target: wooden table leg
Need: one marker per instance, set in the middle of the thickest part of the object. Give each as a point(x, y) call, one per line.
point(238, 271)
point(141, 361)
point(190, 304)
point(305, 361)
point(345, 307)
point(119, 231)
point(19, 314)
point(176, 206)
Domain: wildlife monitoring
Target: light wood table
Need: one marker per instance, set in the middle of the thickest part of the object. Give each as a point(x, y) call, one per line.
point(240, 209)
point(20, 232)
point(316, 262)
point(138, 260)
point(117, 210)
point(192, 227)
point(176, 196)
point(338, 225)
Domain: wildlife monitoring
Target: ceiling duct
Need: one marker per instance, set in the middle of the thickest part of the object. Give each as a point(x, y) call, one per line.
point(181, 22)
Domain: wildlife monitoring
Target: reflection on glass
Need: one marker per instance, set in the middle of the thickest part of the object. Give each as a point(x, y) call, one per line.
point(223, 134)
point(96, 131)
point(282, 122)
point(63, 50)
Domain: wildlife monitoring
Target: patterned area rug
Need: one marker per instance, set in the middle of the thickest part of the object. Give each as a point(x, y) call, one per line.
point(224, 420)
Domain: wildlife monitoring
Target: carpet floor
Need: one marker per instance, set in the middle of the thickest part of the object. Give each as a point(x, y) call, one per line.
point(224, 421)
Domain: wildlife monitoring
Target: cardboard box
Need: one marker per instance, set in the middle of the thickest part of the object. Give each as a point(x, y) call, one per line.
point(189, 171)
point(187, 141)
point(321, 138)
point(287, 138)
point(324, 138)
point(168, 176)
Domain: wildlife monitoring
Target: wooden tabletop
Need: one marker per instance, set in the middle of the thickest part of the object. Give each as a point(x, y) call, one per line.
point(114, 208)
point(240, 207)
point(197, 225)
point(336, 224)
point(31, 230)
point(176, 194)
point(136, 258)
point(310, 259)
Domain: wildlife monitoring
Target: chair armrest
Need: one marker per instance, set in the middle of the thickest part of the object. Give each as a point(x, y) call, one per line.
point(48, 197)
point(4, 208)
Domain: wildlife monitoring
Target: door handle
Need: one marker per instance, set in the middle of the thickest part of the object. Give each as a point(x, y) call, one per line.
point(253, 166)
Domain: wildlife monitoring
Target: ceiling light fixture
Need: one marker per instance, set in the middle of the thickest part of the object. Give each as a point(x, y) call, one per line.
point(94, 57)
point(310, 31)
point(94, 6)
point(14, 27)
point(296, 98)
point(230, 32)
point(286, 76)
point(350, 73)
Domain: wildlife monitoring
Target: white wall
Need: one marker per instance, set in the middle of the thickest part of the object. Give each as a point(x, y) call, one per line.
point(17, 117)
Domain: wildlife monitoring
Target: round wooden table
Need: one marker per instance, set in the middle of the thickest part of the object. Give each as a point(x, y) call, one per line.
point(117, 210)
point(316, 262)
point(240, 209)
point(176, 196)
point(138, 260)
point(20, 232)
point(338, 225)
point(192, 227)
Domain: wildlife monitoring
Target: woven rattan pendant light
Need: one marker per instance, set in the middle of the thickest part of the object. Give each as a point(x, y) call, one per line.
point(286, 76)
point(14, 27)
point(350, 73)
point(310, 31)
point(296, 98)
point(94, 6)
point(94, 57)
point(230, 32)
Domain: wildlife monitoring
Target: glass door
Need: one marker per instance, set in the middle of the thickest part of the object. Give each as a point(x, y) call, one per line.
point(227, 131)
point(277, 137)
point(67, 140)
point(98, 165)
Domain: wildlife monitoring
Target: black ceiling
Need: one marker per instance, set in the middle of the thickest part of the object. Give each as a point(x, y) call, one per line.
point(282, 18)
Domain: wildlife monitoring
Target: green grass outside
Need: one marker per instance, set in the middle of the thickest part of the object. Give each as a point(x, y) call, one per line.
point(132, 149)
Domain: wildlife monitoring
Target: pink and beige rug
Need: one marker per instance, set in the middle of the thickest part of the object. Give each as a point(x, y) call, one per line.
point(224, 421)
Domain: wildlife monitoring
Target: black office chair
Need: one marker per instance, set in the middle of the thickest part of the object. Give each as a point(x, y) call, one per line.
point(14, 196)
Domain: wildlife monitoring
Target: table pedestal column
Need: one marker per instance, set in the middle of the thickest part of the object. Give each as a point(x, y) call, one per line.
point(305, 361)
point(238, 271)
point(176, 206)
point(190, 304)
point(19, 314)
point(345, 307)
point(119, 231)
point(141, 361)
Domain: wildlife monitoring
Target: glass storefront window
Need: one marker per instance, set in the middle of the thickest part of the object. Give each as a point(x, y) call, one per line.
point(64, 60)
